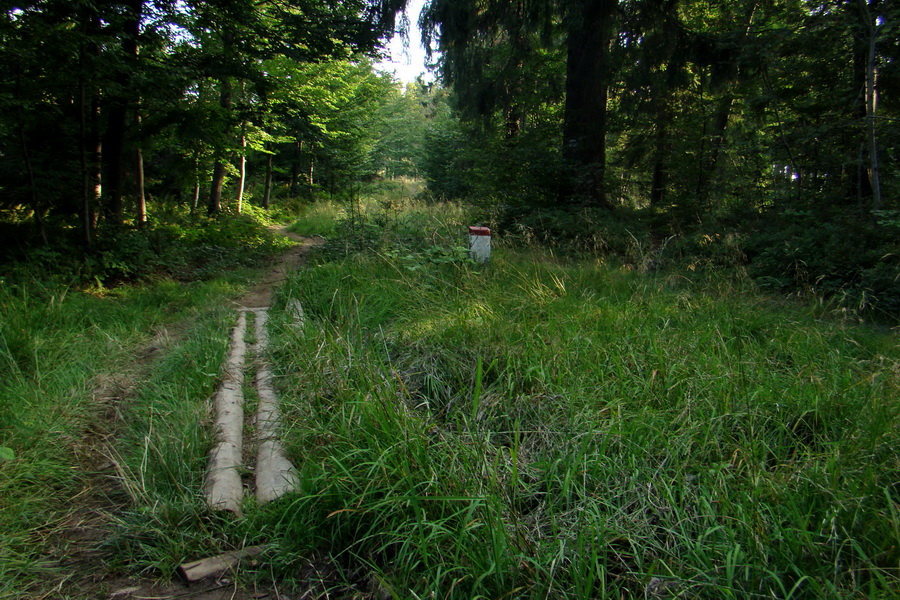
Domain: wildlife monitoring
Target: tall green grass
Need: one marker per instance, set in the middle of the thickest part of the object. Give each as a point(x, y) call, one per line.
point(536, 428)
point(69, 364)
point(547, 428)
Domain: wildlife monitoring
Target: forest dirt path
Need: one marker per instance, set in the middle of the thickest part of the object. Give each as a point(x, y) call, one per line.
point(82, 561)
point(261, 294)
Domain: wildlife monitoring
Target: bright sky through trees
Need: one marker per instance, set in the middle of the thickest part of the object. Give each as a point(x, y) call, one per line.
point(408, 62)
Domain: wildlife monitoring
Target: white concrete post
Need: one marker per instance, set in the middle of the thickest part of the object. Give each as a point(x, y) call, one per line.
point(480, 244)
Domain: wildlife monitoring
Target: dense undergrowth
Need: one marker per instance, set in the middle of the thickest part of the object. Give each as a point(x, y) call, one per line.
point(848, 262)
point(175, 243)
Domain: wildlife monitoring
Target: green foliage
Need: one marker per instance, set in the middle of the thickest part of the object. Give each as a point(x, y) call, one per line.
point(581, 430)
point(194, 87)
point(832, 255)
point(723, 121)
point(177, 244)
point(69, 365)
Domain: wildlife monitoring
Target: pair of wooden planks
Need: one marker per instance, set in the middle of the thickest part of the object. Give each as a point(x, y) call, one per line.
point(275, 475)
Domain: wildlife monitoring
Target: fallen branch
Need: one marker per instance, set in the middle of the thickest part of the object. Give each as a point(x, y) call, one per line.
point(216, 565)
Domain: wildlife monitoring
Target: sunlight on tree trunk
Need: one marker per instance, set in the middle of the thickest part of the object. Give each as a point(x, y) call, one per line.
point(218, 175)
point(242, 169)
point(139, 175)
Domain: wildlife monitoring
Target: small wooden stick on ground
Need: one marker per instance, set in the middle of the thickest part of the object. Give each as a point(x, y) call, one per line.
point(214, 566)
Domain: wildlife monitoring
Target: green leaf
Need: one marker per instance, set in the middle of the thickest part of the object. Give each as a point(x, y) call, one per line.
point(6, 453)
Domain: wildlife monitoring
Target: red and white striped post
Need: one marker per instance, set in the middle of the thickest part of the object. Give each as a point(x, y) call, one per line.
point(480, 244)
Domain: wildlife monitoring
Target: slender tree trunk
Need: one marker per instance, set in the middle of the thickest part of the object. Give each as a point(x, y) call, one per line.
point(29, 166)
point(87, 200)
point(874, 177)
point(660, 160)
point(312, 161)
point(196, 196)
point(215, 188)
point(96, 155)
point(295, 168)
point(139, 175)
point(115, 135)
point(513, 114)
point(89, 128)
point(859, 184)
point(242, 170)
point(32, 188)
point(514, 119)
point(218, 177)
point(114, 173)
point(590, 26)
point(130, 45)
point(267, 194)
point(709, 161)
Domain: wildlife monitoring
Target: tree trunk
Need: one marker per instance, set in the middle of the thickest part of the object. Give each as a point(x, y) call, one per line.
point(32, 188)
point(139, 175)
point(114, 138)
point(660, 160)
point(311, 164)
point(29, 166)
point(859, 183)
point(130, 45)
point(114, 173)
point(90, 163)
point(96, 156)
point(709, 161)
point(267, 194)
point(89, 112)
point(295, 169)
point(242, 170)
point(589, 26)
point(215, 188)
point(874, 177)
point(218, 177)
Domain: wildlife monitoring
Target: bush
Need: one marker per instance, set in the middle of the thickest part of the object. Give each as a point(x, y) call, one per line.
point(839, 256)
point(184, 246)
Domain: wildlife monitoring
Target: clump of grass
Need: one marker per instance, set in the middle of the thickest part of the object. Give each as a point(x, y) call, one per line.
point(550, 428)
point(399, 227)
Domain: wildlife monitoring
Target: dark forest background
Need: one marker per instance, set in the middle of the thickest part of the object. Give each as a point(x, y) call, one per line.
point(754, 134)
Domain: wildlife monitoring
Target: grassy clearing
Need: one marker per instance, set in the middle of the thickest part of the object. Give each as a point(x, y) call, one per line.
point(542, 428)
point(536, 428)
